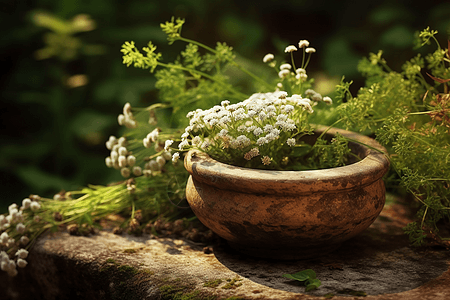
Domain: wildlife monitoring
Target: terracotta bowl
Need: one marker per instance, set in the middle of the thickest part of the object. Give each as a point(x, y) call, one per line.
point(289, 214)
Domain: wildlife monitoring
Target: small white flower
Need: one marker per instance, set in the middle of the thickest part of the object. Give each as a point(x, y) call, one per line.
point(300, 71)
point(127, 109)
point(26, 203)
point(21, 263)
point(243, 141)
point(35, 206)
point(285, 67)
point(125, 172)
point(108, 162)
point(146, 142)
point(290, 142)
point(175, 157)
point(288, 108)
point(303, 43)
point(283, 73)
point(137, 171)
point(131, 160)
point(4, 237)
point(310, 50)
point(114, 156)
point(268, 57)
point(121, 120)
point(301, 76)
point(279, 85)
point(327, 100)
point(281, 117)
point(258, 131)
point(262, 116)
point(122, 161)
point(261, 141)
point(22, 253)
point(4, 256)
point(24, 240)
point(12, 207)
point(183, 144)
point(123, 151)
point(225, 103)
point(167, 144)
point(225, 120)
point(251, 113)
point(20, 228)
point(161, 161)
point(290, 48)
point(122, 141)
point(268, 128)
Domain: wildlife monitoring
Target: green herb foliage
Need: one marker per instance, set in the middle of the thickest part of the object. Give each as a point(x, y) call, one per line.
point(409, 112)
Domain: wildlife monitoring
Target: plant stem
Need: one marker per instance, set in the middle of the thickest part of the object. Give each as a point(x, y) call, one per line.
point(231, 61)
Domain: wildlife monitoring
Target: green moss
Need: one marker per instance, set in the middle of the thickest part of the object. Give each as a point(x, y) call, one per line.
point(328, 296)
point(127, 271)
point(171, 292)
point(213, 283)
point(111, 261)
point(232, 283)
point(129, 251)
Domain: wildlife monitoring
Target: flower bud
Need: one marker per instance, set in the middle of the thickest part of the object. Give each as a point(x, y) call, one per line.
point(108, 162)
point(161, 161)
point(121, 119)
point(35, 206)
point(131, 160)
point(123, 151)
point(154, 166)
point(137, 171)
point(26, 203)
point(22, 253)
point(21, 263)
point(122, 161)
point(125, 172)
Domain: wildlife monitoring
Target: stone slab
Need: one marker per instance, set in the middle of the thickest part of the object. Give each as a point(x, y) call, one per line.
point(379, 264)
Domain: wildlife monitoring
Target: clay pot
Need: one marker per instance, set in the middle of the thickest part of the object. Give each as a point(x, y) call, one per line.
point(288, 214)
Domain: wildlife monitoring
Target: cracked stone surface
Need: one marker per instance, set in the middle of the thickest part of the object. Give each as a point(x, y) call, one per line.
point(378, 263)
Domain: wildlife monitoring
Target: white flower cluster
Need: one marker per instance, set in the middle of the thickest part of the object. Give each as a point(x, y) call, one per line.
point(14, 224)
point(121, 158)
point(15, 217)
point(249, 125)
point(154, 166)
point(127, 118)
point(9, 265)
point(285, 69)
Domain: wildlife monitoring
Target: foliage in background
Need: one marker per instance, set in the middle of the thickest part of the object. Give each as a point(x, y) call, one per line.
point(409, 113)
point(35, 100)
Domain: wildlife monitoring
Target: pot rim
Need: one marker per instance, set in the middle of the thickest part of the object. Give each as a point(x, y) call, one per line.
point(224, 176)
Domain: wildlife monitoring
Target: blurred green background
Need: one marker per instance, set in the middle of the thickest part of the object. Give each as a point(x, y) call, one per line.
point(63, 82)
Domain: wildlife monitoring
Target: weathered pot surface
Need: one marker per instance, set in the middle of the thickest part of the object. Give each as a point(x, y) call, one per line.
point(288, 214)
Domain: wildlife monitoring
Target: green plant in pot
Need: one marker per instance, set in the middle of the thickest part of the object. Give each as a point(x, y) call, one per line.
point(263, 177)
